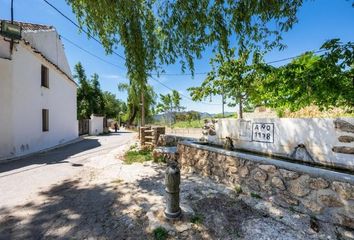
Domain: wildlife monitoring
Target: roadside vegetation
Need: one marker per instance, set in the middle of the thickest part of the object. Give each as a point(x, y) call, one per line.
point(160, 233)
point(92, 100)
point(153, 36)
point(136, 155)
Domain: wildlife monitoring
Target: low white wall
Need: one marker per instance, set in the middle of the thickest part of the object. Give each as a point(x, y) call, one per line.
point(96, 125)
point(280, 136)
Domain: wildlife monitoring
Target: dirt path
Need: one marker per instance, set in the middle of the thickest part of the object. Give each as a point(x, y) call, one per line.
point(108, 199)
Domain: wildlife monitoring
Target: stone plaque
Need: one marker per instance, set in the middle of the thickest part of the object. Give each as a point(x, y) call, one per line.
point(263, 132)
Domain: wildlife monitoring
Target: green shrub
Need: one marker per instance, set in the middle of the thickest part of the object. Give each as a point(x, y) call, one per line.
point(197, 219)
point(160, 233)
point(160, 160)
point(133, 156)
point(238, 189)
point(255, 195)
point(188, 124)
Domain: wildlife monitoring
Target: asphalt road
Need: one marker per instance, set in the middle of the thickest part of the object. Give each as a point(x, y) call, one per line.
point(22, 180)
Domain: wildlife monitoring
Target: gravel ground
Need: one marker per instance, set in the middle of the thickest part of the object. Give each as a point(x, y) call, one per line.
point(108, 199)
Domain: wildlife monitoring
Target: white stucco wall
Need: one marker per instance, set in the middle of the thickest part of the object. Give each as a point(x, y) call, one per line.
point(6, 136)
point(49, 44)
point(4, 49)
point(319, 135)
point(21, 102)
point(96, 125)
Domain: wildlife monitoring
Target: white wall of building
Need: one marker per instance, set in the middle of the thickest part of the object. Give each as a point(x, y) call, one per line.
point(319, 135)
point(21, 102)
point(49, 44)
point(96, 125)
point(6, 136)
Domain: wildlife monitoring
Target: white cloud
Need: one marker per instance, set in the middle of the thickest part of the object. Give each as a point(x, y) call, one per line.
point(112, 76)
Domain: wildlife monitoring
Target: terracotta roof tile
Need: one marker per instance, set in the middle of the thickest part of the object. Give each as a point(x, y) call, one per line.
point(32, 26)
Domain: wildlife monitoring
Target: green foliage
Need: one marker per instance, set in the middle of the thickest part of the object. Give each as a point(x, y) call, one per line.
point(154, 33)
point(188, 124)
point(238, 189)
point(160, 233)
point(234, 78)
point(197, 218)
point(187, 116)
point(255, 195)
point(89, 95)
point(169, 104)
point(91, 99)
point(134, 101)
point(325, 81)
point(219, 115)
point(113, 106)
point(137, 156)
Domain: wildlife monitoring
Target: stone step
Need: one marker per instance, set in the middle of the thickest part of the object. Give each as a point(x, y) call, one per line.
point(150, 137)
point(149, 143)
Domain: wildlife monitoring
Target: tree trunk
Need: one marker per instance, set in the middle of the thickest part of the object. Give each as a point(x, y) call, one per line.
point(142, 108)
point(132, 117)
point(240, 108)
point(223, 102)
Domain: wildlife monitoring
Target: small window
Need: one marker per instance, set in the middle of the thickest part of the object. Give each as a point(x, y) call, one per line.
point(45, 120)
point(45, 77)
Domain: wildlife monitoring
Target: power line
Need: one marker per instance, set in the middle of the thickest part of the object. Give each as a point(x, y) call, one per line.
point(185, 96)
point(161, 83)
point(105, 61)
point(80, 28)
point(161, 74)
point(297, 56)
point(90, 53)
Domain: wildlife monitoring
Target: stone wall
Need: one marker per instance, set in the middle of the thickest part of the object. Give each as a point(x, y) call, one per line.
point(320, 193)
point(167, 140)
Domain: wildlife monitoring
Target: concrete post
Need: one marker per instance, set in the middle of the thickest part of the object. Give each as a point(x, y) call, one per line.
point(172, 181)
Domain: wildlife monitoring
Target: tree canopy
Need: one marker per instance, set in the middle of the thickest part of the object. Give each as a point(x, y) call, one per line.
point(325, 80)
point(169, 104)
point(134, 101)
point(92, 100)
point(154, 33)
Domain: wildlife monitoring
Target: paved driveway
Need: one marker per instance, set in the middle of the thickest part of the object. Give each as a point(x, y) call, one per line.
point(21, 180)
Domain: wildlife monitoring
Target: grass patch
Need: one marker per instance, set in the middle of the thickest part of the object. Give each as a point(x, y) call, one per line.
point(137, 156)
point(197, 219)
point(160, 233)
point(189, 124)
point(255, 195)
point(238, 189)
point(117, 181)
point(160, 160)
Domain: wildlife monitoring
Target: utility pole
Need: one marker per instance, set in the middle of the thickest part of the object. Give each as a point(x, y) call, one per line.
point(12, 22)
point(12, 11)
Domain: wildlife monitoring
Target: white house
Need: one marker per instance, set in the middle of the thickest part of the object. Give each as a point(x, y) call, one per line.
point(37, 93)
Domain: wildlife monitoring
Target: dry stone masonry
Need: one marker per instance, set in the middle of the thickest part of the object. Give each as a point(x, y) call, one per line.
point(320, 193)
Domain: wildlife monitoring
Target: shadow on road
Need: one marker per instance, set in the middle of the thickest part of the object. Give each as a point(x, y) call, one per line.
point(55, 156)
point(74, 211)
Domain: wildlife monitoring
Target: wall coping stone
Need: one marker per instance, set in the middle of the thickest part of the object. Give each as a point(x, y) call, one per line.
point(313, 171)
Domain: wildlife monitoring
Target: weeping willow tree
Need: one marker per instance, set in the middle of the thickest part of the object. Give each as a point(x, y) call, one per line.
point(133, 101)
point(154, 33)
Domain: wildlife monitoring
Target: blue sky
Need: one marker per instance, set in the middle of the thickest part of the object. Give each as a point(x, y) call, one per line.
point(319, 21)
